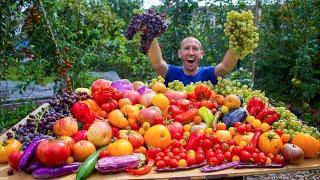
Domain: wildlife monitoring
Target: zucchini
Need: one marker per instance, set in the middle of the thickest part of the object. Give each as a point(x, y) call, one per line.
point(114, 164)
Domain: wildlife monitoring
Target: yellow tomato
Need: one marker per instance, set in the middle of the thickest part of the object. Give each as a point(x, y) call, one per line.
point(120, 147)
point(7, 147)
point(161, 101)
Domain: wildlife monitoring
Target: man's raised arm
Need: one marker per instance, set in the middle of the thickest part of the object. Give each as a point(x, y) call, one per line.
point(228, 63)
point(156, 60)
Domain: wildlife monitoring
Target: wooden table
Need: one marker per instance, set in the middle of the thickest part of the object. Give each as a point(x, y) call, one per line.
point(307, 164)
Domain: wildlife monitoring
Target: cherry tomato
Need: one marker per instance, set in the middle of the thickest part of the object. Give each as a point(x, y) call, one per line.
point(250, 149)
point(271, 156)
point(228, 156)
point(220, 158)
point(248, 128)
point(160, 164)
point(191, 160)
point(200, 158)
point(213, 161)
point(206, 144)
point(245, 156)
point(279, 132)
point(279, 159)
point(241, 129)
point(176, 151)
point(104, 154)
point(236, 150)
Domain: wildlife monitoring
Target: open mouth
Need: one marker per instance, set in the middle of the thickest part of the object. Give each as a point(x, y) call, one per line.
point(190, 61)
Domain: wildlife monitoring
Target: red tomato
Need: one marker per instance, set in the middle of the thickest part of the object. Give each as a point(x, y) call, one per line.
point(220, 158)
point(279, 132)
point(248, 128)
point(279, 159)
point(173, 163)
point(271, 156)
point(202, 92)
point(213, 161)
point(228, 156)
point(151, 153)
point(236, 150)
point(14, 159)
point(104, 153)
point(52, 153)
point(160, 164)
point(206, 144)
point(191, 160)
point(241, 129)
point(245, 156)
point(200, 158)
point(250, 149)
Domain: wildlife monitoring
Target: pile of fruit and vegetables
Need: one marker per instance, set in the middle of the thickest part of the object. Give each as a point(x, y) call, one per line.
point(133, 127)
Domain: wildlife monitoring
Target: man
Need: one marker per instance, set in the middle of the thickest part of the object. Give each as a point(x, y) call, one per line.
point(190, 53)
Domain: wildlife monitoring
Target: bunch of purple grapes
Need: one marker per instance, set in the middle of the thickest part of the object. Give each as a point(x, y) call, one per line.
point(41, 124)
point(150, 23)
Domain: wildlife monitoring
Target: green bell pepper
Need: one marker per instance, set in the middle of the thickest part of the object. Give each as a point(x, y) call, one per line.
point(206, 115)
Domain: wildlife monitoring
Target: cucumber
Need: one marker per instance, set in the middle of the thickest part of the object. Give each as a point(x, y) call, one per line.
point(87, 167)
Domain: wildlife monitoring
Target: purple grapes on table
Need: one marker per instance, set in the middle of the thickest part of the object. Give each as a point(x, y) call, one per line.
point(41, 124)
point(150, 23)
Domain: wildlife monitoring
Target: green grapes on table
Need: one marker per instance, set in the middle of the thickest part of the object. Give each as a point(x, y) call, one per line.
point(176, 85)
point(290, 124)
point(156, 79)
point(243, 35)
point(226, 87)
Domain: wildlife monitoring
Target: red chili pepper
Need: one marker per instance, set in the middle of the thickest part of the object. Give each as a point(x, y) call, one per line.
point(255, 138)
point(144, 170)
point(174, 110)
point(194, 140)
point(187, 116)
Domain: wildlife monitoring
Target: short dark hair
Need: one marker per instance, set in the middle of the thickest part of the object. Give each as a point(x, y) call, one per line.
point(190, 37)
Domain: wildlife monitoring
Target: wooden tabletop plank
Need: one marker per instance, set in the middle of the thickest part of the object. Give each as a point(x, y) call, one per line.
point(307, 164)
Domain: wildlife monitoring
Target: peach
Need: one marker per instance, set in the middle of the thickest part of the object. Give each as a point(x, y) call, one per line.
point(82, 150)
point(232, 101)
point(99, 133)
point(67, 126)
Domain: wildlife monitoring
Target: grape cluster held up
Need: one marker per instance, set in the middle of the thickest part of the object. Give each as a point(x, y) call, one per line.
point(150, 23)
point(243, 35)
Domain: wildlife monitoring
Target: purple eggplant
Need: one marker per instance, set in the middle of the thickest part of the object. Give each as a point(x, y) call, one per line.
point(33, 166)
point(29, 154)
point(115, 164)
point(211, 168)
point(250, 165)
point(56, 171)
point(181, 168)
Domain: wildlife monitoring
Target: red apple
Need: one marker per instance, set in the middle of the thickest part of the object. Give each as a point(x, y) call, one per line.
point(99, 133)
point(80, 135)
point(135, 138)
point(134, 96)
point(176, 130)
point(293, 153)
point(176, 95)
point(14, 159)
point(66, 126)
point(149, 115)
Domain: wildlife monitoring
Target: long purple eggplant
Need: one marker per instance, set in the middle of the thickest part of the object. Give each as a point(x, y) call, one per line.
point(211, 168)
point(55, 171)
point(29, 153)
point(33, 166)
point(181, 168)
point(115, 164)
point(250, 165)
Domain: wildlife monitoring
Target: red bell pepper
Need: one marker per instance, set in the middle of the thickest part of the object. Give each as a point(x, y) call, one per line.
point(255, 105)
point(144, 170)
point(82, 112)
point(174, 110)
point(187, 116)
point(268, 116)
point(194, 141)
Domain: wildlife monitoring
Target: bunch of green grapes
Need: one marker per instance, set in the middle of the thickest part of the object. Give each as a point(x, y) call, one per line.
point(176, 85)
point(226, 87)
point(156, 79)
point(243, 35)
point(290, 124)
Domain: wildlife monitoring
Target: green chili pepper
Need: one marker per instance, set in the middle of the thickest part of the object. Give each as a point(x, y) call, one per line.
point(206, 115)
point(87, 167)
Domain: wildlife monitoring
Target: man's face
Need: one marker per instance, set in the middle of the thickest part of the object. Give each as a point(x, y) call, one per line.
point(190, 53)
